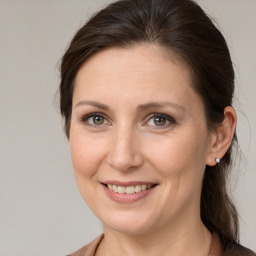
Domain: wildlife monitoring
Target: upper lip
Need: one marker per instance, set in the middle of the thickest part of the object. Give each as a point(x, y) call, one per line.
point(128, 183)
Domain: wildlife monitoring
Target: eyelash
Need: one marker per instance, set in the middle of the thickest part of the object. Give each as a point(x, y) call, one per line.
point(170, 120)
point(85, 118)
point(166, 117)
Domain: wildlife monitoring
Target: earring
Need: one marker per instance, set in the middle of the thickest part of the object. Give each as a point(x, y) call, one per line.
point(217, 160)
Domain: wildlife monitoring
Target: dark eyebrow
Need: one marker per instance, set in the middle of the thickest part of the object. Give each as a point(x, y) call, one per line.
point(92, 103)
point(139, 108)
point(159, 105)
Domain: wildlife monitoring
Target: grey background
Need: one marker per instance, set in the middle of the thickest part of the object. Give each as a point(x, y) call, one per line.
point(41, 211)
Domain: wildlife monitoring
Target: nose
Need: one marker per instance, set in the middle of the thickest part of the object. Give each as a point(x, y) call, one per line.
point(125, 152)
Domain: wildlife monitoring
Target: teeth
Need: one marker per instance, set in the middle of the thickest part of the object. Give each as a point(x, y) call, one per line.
point(115, 188)
point(137, 188)
point(129, 189)
point(121, 190)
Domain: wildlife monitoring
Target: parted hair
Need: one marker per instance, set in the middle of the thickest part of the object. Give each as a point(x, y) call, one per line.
point(181, 27)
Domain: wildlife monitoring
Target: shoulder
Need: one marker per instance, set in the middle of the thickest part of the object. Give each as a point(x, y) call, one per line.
point(89, 249)
point(236, 249)
point(232, 249)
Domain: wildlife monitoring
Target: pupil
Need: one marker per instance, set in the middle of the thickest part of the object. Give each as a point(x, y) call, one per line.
point(159, 121)
point(98, 120)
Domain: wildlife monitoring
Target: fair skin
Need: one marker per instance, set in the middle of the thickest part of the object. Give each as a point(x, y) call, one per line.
point(136, 120)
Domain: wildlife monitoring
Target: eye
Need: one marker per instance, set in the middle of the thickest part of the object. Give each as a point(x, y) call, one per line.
point(98, 120)
point(94, 119)
point(160, 120)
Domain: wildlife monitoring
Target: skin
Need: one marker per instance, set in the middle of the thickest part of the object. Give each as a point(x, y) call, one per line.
point(128, 144)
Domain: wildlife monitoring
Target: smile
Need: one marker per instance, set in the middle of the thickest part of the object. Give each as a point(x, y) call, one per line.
point(128, 192)
point(128, 189)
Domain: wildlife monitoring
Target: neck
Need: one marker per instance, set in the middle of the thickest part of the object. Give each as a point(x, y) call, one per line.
point(192, 239)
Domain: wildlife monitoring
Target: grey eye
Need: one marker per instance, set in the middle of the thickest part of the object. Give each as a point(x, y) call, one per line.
point(98, 120)
point(159, 121)
point(95, 120)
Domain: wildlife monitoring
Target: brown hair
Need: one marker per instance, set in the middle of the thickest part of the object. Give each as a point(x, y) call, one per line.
point(182, 27)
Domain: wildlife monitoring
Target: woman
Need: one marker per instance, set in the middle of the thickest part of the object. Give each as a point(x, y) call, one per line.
point(146, 95)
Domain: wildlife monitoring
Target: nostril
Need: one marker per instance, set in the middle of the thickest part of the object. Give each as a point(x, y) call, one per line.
point(125, 162)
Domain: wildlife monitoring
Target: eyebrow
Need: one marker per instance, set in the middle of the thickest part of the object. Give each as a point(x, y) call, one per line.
point(160, 105)
point(139, 108)
point(92, 103)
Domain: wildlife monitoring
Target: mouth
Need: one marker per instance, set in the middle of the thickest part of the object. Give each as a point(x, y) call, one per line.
point(128, 189)
point(128, 192)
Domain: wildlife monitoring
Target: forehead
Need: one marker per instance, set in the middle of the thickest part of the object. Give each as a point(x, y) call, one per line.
point(135, 76)
point(137, 55)
point(144, 63)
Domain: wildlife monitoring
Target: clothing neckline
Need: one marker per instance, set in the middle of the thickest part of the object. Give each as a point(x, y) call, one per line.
point(91, 248)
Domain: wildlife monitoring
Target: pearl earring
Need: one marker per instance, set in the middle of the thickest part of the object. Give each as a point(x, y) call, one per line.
point(217, 160)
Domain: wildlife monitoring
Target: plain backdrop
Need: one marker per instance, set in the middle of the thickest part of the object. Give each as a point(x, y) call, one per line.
point(41, 211)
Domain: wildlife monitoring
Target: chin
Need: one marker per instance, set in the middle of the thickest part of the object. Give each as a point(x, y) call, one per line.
point(128, 223)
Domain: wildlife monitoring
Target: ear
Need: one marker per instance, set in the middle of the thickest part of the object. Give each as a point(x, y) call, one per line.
point(220, 140)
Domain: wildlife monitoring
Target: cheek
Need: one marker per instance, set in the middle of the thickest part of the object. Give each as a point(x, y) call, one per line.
point(178, 153)
point(180, 161)
point(87, 154)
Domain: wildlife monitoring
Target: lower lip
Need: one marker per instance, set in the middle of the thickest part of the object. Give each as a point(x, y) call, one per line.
point(127, 198)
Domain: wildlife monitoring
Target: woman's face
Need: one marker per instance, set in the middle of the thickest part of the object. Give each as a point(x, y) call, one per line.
point(137, 124)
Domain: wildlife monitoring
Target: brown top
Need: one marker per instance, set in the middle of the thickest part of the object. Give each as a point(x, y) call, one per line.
point(215, 249)
point(90, 249)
